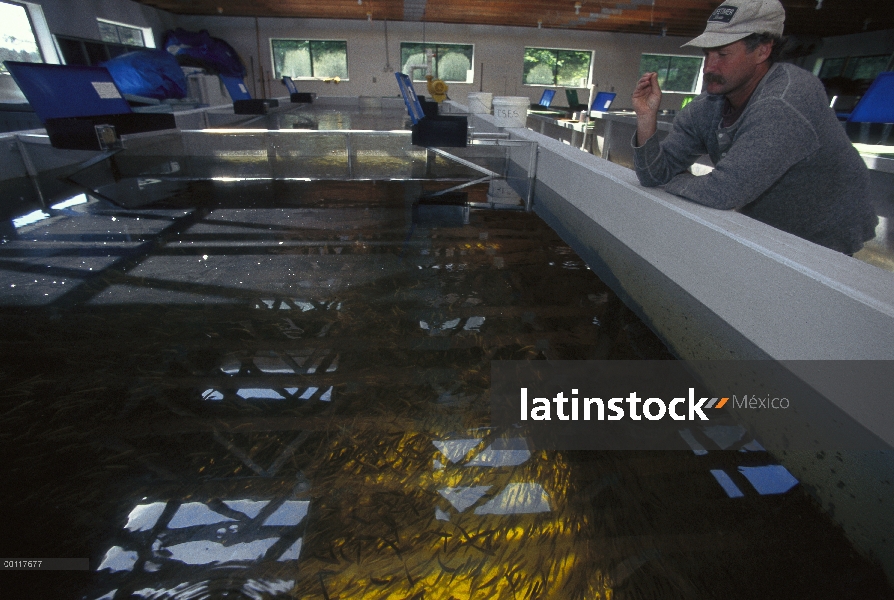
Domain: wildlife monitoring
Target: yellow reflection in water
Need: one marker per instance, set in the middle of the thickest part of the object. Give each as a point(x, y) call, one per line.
point(399, 538)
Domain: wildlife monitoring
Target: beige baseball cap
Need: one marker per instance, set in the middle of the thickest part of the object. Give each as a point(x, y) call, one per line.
point(737, 19)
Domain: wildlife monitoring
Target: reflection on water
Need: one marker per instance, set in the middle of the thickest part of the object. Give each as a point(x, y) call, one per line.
point(319, 117)
point(271, 389)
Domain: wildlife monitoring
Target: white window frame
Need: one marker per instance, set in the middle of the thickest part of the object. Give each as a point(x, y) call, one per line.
point(148, 38)
point(699, 77)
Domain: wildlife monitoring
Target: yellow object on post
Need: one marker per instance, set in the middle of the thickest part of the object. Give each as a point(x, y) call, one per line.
point(436, 88)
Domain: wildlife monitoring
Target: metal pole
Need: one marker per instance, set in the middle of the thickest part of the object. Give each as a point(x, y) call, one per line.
point(260, 62)
point(532, 176)
point(31, 170)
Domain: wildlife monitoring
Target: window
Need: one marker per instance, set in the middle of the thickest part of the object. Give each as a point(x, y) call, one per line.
point(854, 67)
point(310, 59)
point(78, 51)
point(866, 67)
point(116, 39)
point(17, 39)
point(675, 73)
point(448, 62)
point(831, 67)
point(568, 68)
point(118, 33)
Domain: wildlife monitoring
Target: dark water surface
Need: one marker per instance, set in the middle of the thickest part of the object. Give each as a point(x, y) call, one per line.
point(272, 389)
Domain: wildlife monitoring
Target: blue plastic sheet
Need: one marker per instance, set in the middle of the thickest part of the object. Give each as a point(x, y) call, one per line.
point(414, 107)
point(65, 91)
point(236, 88)
point(199, 49)
point(150, 73)
point(877, 104)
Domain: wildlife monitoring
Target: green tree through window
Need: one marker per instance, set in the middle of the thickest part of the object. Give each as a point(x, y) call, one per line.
point(568, 68)
point(310, 59)
point(17, 39)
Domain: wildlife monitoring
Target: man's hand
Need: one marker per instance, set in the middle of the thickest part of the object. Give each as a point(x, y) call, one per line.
point(647, 95)
point(646, 100)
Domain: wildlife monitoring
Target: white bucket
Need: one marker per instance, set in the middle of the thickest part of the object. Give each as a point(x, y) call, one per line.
point(511, 111)
point(480, 102)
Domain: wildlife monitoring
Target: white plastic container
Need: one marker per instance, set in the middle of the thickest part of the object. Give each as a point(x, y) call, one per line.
point(511, 111)
point(480, 102)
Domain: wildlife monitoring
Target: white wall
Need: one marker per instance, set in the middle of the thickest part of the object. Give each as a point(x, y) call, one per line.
point(500, 49)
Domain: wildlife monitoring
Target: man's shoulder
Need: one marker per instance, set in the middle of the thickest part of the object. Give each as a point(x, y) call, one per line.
point(788, 80)
point(793, 72)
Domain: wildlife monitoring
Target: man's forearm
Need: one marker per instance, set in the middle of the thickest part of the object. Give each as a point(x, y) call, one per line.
point(646, 126)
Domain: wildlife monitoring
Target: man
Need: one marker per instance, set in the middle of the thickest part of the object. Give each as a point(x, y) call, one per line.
point(780, 154)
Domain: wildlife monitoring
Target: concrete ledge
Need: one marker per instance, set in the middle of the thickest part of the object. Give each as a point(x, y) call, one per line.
point(760, 280)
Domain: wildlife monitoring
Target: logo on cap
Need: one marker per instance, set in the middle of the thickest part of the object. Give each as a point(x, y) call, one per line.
point(723, 14)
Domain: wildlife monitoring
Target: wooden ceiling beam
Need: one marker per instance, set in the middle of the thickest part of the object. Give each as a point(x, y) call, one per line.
point(680, 17)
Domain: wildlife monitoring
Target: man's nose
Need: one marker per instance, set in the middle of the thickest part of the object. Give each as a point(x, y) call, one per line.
point(710, 65)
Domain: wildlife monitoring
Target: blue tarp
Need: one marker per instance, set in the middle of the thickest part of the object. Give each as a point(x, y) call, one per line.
point(150, 73)
point(201, 50)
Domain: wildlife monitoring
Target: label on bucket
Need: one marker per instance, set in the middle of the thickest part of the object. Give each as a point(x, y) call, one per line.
point(507, 112)
point(510, 111)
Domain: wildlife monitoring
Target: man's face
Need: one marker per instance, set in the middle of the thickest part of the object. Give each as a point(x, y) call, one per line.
point(731, 68)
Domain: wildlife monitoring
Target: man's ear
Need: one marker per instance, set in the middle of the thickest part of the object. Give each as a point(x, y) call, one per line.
point(762, 52)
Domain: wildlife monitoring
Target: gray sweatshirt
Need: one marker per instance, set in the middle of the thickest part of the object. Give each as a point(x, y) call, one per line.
point(786, 161)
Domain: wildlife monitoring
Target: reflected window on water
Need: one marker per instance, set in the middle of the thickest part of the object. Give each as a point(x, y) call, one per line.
point(30, 218)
